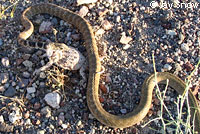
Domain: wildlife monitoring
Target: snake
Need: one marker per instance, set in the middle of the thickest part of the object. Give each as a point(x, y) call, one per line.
point(92, 95)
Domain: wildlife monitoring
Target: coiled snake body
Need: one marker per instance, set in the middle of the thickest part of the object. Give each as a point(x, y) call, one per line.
point(94, 105)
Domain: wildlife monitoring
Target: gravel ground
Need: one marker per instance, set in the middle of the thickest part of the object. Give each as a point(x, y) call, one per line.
point(127, 33)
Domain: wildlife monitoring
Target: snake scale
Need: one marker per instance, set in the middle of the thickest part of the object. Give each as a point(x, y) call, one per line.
point(93, 102)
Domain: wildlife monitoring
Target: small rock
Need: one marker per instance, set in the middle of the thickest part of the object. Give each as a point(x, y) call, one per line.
point(27, 122)
point(80, 2)
point(45, 27)
point(178, 67)
point(101, 99)
point(1, 42)
point(28, 63)
point(10, 91)
point(42, 75)
point(108, 78)
point(99, 32)
point(53, 99)
point(54, 21)
point(61, 116)
point(19, 61)
point(188, 66)
point(92, 131)
point(124, 39)
point(64, 126)
point(15, 115)
point(125, 47)
point(37, 122)
point(5, 62)
point(118, 19)
point(79, 123)
point(1, 119)
point(2, 89)
point(102, 12)
point(198, 33)
point(26, 74)
point(4, 77)
point(181, 37)
point(37, 105)
point(46, 111)
point(31, 90)
point(123, 111)
point(41, 132)
point(169, 60)
point(26, 56)
point(156, 101)
point(23, 83)
point(185, 47)
point(13, 83)
point(103, 88)
point(27, 115)
point(172, 33)
point(83, 11)
point(109, 1)
point(76, 37)
point(167, 67)
point(150, 113)
point(106, 25)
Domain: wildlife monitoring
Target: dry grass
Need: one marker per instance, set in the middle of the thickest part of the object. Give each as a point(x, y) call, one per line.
point(181, 126)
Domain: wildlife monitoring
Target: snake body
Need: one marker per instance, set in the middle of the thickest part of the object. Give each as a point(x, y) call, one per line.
point(93, 102)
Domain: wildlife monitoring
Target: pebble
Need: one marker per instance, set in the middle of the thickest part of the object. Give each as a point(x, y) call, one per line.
point(64, 126)
point(103, 88)
point(123, 111)
point(26, 56)
point(1, 119)
point(10, 91)
point(23, 83)
point(27, 63)
point(41, 132)
point(4, 77)
point(80, 2)
point(181, 37)
point(27, 115)
point(53, 99)
point(124, 39)
point(198, 33)
point(118, 19)
point(5, 62)
point(172, 33)
point(106, 25)
point(92, 131)
point(188, 66)
point(26, 75)
point(31, 90)
point(79, 123)
point(2, 89)
point(83, 11)
point(46, 111)
point(27, 122)
point(76, 37)
point(54, 21)
point(185, 47)
point(100, 32)
point(108, 78)
point(1, 42)
point(15, 115)
point(37, 105)
point(45, 27)
point(167, 67)
point(126, 46)
point(42, 75)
